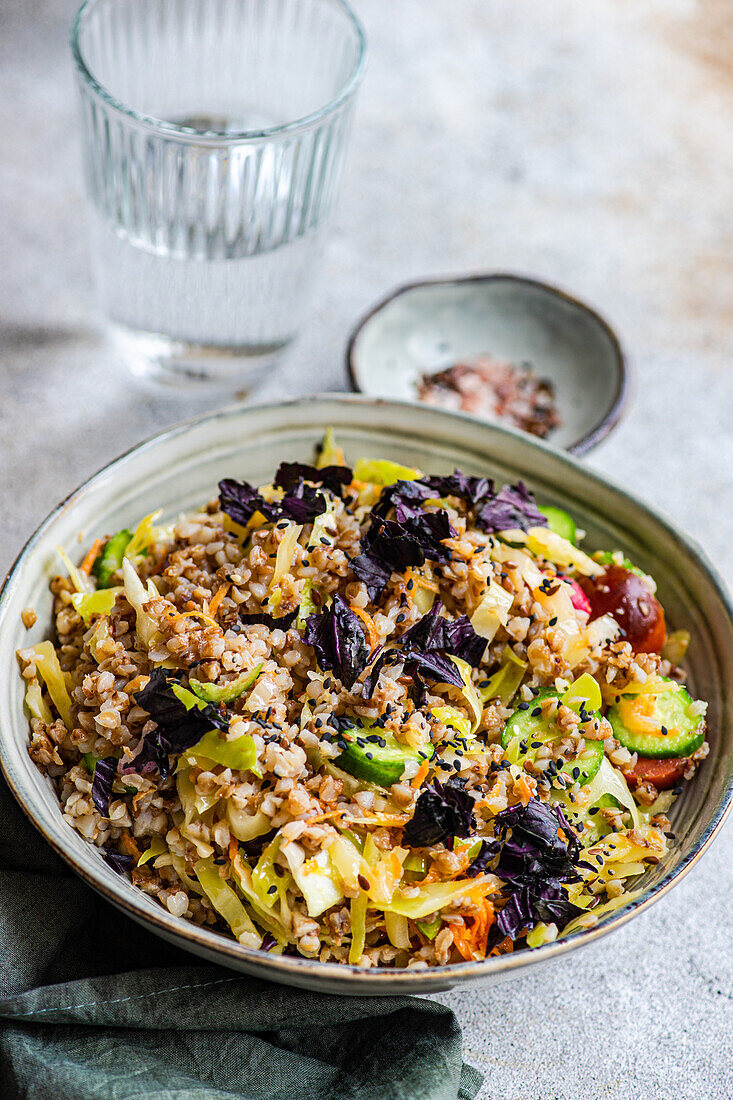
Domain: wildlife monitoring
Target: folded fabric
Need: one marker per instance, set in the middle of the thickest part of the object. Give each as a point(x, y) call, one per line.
point(93, 1007)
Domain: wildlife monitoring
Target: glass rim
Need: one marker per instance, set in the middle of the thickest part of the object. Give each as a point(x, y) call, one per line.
point(188, 133)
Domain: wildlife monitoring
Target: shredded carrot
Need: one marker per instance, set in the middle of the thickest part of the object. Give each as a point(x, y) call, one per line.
point(420, 581)
point(128, 845)
point(217, 598)
point(325, 817)
point(524, 790)
point(198, 615)
point(417, 779)
point(371, 630)
point(233, 849)
point(395, 865)
point(504, 948)
point(390, 820)
point(471, 939)
point(138, 798)
point(91, 556)
point(358, 485)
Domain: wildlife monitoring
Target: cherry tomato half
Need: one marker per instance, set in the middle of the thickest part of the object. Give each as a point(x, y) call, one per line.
point(638, 612)
point(662, 773)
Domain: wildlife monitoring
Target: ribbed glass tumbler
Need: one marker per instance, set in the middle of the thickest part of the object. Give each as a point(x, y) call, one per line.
point(214, 138)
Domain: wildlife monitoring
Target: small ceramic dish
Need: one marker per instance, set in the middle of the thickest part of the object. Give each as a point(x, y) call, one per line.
point(180, 468)
point(430, 325)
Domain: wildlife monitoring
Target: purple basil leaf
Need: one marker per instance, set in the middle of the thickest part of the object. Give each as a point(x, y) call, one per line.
point(302, 504)
point(371, 679)
point(455, 636)
point(429, 632)
point(118, 861)
point(442, 812)
point(428, 530)
point(393, 544)
point(372, 571)
point(332, 478)
point(178, 728)
point(513, 507)
point(535, 861)
point(433, 666)
point(488, 850)
point(240, 500)
point(104, 774)
point(471, 489)
point(554, 907)
point(338, 640)
point(406, 497)
point(262, 618)
point(463, 641)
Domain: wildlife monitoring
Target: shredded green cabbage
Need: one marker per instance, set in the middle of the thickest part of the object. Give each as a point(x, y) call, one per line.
point(100, 602)
point(157, 848)
point(315, 880)
point(358, 927)
point(226, 903)
point(80, 581)
point(246, 826)
point(493, 611)
point(431, 928)
point(330, 454)
point(138, 595)
point(239, 754)
point(397, 930)
point(285, 552)
point(380, 471)
point(37, 705)
point(504, 684)
point(145, 536)
point(225, 693)
point(47, 664)
point(324, 527)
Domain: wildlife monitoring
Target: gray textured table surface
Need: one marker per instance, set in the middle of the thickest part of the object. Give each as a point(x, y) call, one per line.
point(586, 141)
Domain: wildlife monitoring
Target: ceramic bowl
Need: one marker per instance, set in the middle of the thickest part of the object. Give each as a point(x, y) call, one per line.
point(426, 326)
point(179, 468)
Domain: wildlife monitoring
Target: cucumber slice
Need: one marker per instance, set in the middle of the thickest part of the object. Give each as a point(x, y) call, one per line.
point(377, 757)
point(590, 823)
point(561, 523)
point(526, 728)
point(658, 725)
point(110, 560)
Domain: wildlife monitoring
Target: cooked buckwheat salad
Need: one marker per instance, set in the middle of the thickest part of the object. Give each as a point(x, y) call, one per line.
point(366, 715)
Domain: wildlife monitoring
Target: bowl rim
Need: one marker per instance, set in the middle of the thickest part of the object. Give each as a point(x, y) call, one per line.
point(623, 380)
point(345, 978)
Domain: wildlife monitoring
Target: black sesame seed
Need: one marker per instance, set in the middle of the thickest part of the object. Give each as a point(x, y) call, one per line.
point(523, 706)
point(553, 620)
point(272, 889)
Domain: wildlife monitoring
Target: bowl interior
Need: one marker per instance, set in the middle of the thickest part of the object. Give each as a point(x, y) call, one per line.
point(180, 469)
point(431, 325)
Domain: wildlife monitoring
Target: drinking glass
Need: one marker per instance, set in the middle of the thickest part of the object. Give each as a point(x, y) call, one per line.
point(214, 134)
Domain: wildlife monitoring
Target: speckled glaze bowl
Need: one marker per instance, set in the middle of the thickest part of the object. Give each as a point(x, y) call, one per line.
point(179, 468)
point(432, 324)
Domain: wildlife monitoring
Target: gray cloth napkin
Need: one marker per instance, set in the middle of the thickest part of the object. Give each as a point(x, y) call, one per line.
point(95, 1008)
